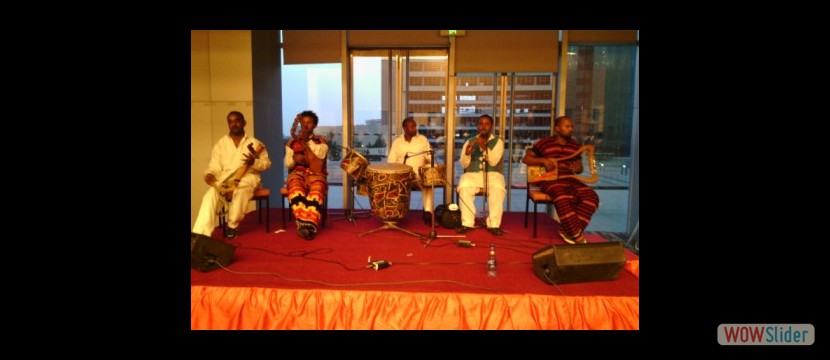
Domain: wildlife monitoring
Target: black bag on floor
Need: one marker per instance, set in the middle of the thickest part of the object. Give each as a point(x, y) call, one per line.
point(448, 216)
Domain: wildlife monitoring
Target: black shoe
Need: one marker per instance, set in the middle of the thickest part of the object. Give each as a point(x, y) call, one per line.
point(231, 233)
point(428, 218)
point(306, 232)
point(464, 230)
point(495, 231)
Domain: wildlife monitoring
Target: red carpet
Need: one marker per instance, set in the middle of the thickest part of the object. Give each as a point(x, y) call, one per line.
point(336, 259)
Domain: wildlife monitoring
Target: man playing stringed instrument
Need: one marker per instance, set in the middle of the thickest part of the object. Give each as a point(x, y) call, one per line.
point(233, 173)
point(574, 201)
point(305, 158)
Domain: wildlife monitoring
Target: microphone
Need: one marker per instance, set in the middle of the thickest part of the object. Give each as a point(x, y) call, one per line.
point(432, 157)
point(405, 156)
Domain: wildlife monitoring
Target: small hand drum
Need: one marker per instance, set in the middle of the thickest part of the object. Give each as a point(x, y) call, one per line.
point(432, 176)
point(355, 165)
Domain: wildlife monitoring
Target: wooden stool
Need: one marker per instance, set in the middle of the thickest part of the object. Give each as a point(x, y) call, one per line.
point(259, 195)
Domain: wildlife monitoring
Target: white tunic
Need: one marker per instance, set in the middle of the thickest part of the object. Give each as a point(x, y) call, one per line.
point(400, 147)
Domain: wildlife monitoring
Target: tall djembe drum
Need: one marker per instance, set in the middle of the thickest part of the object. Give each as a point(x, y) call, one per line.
point(389, 194)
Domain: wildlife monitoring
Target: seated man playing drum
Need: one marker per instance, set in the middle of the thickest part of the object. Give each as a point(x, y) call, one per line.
point(305, 158)
point(402, 152)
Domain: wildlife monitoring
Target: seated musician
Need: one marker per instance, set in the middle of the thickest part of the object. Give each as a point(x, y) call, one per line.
point(574, 201)
point(229, 155)
point(411, 142)
point(305, 158)
point(482, 154)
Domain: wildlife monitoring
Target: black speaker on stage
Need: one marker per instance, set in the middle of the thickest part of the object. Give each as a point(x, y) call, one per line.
point(561, 264)
point(206, 252)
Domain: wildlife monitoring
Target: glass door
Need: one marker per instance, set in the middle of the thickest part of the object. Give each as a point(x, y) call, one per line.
point(389, 85)
point(522, 108)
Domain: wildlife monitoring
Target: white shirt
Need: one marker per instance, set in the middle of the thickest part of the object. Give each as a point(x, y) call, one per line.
point(474, 178)
point(494, 155)
point(400, 147)
point(226, 157)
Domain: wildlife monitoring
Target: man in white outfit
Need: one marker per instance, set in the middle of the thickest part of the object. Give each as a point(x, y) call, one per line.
point(229, 155)
point(482, 154)
point(403, 149)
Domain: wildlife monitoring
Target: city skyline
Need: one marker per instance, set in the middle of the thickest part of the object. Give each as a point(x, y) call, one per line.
point(317, 87)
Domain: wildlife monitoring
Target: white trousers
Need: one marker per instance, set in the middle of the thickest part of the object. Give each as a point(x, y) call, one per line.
point(469, 184)
point(207, 220)
point(427, 194)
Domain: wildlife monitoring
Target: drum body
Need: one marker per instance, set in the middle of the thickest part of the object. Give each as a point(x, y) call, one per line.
point(363, 188)
point(432, 176)
point(355, 165)
point(388, 189)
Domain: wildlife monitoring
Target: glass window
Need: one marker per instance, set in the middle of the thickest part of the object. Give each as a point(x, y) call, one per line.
point(315, 87)
point(600, 99)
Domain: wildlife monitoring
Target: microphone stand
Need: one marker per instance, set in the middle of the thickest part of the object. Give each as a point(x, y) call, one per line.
point(433, 233)
point(485, 205)
point(405, 157)
point(349, 213)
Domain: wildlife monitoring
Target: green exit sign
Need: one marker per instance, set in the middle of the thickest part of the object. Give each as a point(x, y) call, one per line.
point(453, 32)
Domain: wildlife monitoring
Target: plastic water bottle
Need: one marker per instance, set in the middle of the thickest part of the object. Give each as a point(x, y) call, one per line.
point(491, 261)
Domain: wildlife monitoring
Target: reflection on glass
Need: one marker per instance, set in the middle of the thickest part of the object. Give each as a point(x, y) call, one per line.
point(600, 102)
point(315, 87)
point(528, 116)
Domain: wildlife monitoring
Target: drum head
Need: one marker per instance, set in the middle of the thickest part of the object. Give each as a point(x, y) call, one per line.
point(354, 164)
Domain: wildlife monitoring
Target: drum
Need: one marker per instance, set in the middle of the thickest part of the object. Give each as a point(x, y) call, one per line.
point(432, 176)
point(354, 164)
point(389, 190)
point(363, 188)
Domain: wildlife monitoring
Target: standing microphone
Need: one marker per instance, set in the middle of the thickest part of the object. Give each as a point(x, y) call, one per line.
point(432, 157)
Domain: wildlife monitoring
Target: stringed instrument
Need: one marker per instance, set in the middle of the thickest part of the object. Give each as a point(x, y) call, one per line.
point(227, 187)
point(540, 173)
point(315, 164)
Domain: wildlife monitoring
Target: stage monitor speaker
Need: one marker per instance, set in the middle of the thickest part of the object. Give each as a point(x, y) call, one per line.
point(561, 264)
point(206, 253)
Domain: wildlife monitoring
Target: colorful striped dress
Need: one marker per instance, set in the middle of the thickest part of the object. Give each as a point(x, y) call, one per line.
point(574, 201)
point(306, 190)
